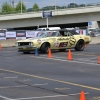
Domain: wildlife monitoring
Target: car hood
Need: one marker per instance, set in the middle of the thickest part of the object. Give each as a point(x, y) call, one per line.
point(31, 39)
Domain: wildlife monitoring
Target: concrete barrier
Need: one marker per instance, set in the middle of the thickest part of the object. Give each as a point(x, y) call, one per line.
point(8, 43)
point(95, 40)
point(11, 42)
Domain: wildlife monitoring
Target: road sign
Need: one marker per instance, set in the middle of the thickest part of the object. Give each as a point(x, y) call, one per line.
point(89, 23)
point(46, 14)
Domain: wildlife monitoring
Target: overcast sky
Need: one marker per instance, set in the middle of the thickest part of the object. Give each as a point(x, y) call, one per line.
point(43, 3)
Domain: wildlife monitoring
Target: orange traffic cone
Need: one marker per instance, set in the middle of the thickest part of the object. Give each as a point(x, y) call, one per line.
point(99, 60)
point(49, 53)
point(82, 96)
point(69, 55)
point(0, 47)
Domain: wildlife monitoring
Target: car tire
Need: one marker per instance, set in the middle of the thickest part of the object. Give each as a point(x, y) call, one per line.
point(80, 45)
point(45, 47)
point(62, 50)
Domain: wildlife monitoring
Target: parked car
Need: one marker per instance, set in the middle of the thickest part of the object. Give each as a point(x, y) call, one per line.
point(49, 28)
point(89, 30)
point(95, 33)
point(56, 40)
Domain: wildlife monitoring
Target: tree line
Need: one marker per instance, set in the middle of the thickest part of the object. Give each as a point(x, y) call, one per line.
point(9, 9)
point(21, 7)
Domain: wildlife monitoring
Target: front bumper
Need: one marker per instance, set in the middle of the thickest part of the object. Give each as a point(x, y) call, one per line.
point(26, 48)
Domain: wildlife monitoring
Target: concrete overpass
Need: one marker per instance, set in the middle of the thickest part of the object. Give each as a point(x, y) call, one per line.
point(60, 17)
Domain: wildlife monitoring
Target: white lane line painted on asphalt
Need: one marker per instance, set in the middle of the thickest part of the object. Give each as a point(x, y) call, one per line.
point(4, 97)
point(77, 94)
point(86, 60)
point(53, 96)
point(25, 80)
point(89, 58)
point(22, 86)
point(67, 60)
point(13, 86)
point(39, 84)
point(10, 77)
point(2, 73)
point(83, 59)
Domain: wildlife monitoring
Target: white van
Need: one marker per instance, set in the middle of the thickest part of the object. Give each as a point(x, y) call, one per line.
point(49, 28)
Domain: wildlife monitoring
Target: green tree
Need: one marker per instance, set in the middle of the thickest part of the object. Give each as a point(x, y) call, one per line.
point(72, 5)
point(7, 8)
point(18, 7)
point(35, 7)
point(89, 4)
point(82, 5)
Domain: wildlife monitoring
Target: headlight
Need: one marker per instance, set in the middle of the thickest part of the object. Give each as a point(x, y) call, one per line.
point(31, 44)
point(16, 44)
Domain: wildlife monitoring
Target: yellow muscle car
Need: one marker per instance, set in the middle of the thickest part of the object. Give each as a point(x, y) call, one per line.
point(55, 40)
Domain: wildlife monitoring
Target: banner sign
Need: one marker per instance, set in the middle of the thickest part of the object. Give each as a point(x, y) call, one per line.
point(20, 38)
point(82, 32)
point(2, 35)
point(31, 33)
point(11, 34)
point(20, 33)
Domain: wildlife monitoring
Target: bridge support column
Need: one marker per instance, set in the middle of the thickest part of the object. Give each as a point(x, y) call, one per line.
point(95, 24)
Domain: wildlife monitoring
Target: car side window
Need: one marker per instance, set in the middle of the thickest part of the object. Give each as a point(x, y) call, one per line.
point(68, 33)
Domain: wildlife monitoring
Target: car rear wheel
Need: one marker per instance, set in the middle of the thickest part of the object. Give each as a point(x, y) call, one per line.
point(80, 45)
point(45, 47)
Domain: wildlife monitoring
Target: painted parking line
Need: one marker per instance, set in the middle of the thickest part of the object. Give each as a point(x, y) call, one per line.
point(83, 54)
point(3, 97)
point(72, 61)
point(22, 86)
point(8, 77)
point(86, 60)
point(62, 88)
point(42, 97)
point(80, 59)
point(54, 80)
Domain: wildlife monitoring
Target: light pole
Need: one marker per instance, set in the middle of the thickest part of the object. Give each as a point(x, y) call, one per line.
point(55, 4)
point(21, 6)
point(13, 3)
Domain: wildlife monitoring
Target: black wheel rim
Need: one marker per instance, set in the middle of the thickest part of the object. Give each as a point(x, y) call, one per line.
point(81, 45)
point(47, 47)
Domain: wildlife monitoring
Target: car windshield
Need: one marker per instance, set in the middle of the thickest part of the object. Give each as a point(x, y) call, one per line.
point(48, 34)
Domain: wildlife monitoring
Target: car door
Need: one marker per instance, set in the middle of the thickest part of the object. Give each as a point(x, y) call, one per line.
point(63, 39)
point(67, 40)
point(71, 39)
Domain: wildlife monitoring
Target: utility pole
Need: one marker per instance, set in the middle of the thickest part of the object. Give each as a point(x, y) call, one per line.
point(10, 2)
point(13, 3)
point(55, 4)
point(21, 6)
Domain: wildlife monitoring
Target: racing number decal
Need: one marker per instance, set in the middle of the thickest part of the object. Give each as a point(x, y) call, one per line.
point(71, 40)
point(63, 44)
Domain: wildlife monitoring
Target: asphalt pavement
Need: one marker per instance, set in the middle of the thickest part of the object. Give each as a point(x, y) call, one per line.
point(31, 77)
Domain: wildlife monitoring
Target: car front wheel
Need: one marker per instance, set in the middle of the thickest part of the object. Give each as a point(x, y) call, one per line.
point(80, 45)
point(45, 47)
